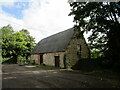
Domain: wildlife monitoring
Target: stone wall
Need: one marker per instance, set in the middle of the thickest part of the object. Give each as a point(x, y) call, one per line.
point(49, 59)
point(73, 53)
point(35, 57)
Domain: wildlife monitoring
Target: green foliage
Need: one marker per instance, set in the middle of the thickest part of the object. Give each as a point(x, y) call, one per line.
point(16, 43)
point(87, 64)
point(21, 58)
point(64, 61)
point(95, 53)
point(0, 46)
point(5, 59)
point(101, 19)
point(7, 40)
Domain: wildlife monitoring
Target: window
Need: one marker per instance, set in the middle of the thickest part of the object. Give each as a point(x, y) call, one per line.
point(79, 50)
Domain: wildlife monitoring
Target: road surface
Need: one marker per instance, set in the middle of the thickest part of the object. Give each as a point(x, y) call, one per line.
point(15, 76)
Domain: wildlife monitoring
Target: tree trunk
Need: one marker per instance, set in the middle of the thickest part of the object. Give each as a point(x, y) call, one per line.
point(27, 57)
point(15, 59)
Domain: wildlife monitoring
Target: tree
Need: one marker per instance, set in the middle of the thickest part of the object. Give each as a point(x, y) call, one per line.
point(16, 44)
point(7, 40)
point(100, 18)
point(30, 43)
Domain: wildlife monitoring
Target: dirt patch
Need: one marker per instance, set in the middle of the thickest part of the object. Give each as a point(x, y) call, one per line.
point(30, 66)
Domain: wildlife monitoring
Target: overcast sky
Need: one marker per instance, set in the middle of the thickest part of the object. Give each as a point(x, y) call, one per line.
point(41, 18)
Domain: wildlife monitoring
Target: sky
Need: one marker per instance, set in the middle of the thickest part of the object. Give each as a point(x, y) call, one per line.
point(41, 18)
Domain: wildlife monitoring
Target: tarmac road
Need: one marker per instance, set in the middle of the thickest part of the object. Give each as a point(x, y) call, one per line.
point(15, 76)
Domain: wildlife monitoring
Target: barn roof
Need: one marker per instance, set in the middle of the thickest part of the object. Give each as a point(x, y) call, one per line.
point(55, 43)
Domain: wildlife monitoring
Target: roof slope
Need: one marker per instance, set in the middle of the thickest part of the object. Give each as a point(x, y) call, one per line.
point(55, 43)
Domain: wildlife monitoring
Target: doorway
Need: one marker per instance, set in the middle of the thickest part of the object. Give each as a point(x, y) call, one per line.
point(41, 59)
point(57, 60)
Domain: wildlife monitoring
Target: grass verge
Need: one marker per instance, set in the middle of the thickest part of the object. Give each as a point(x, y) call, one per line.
point(98, 73)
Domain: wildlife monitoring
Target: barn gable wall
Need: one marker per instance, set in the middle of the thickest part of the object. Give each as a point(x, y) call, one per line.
point(73, 50)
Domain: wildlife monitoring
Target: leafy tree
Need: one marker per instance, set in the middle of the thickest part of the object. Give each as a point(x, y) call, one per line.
point(15, 44)
point(100, 18)
point(0, 46)
point(95, 54)
point(30, 43)
point(7, 40)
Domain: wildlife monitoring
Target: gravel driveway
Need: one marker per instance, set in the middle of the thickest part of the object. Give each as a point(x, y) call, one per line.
point(15, 76)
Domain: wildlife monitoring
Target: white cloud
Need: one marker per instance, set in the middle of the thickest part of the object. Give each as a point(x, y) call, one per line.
point(50, 16)
point(42, 18)
point(6, 19)
point(119, 19)
point(15, 23)
point(6, 2)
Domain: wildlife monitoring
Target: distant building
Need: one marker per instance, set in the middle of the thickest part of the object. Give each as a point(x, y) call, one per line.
point(61, 50)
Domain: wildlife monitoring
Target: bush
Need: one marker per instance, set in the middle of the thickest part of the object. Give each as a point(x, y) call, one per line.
point(116, 67)
point(87, 64)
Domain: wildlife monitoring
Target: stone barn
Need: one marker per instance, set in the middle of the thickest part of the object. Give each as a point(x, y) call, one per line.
point(62, 50)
